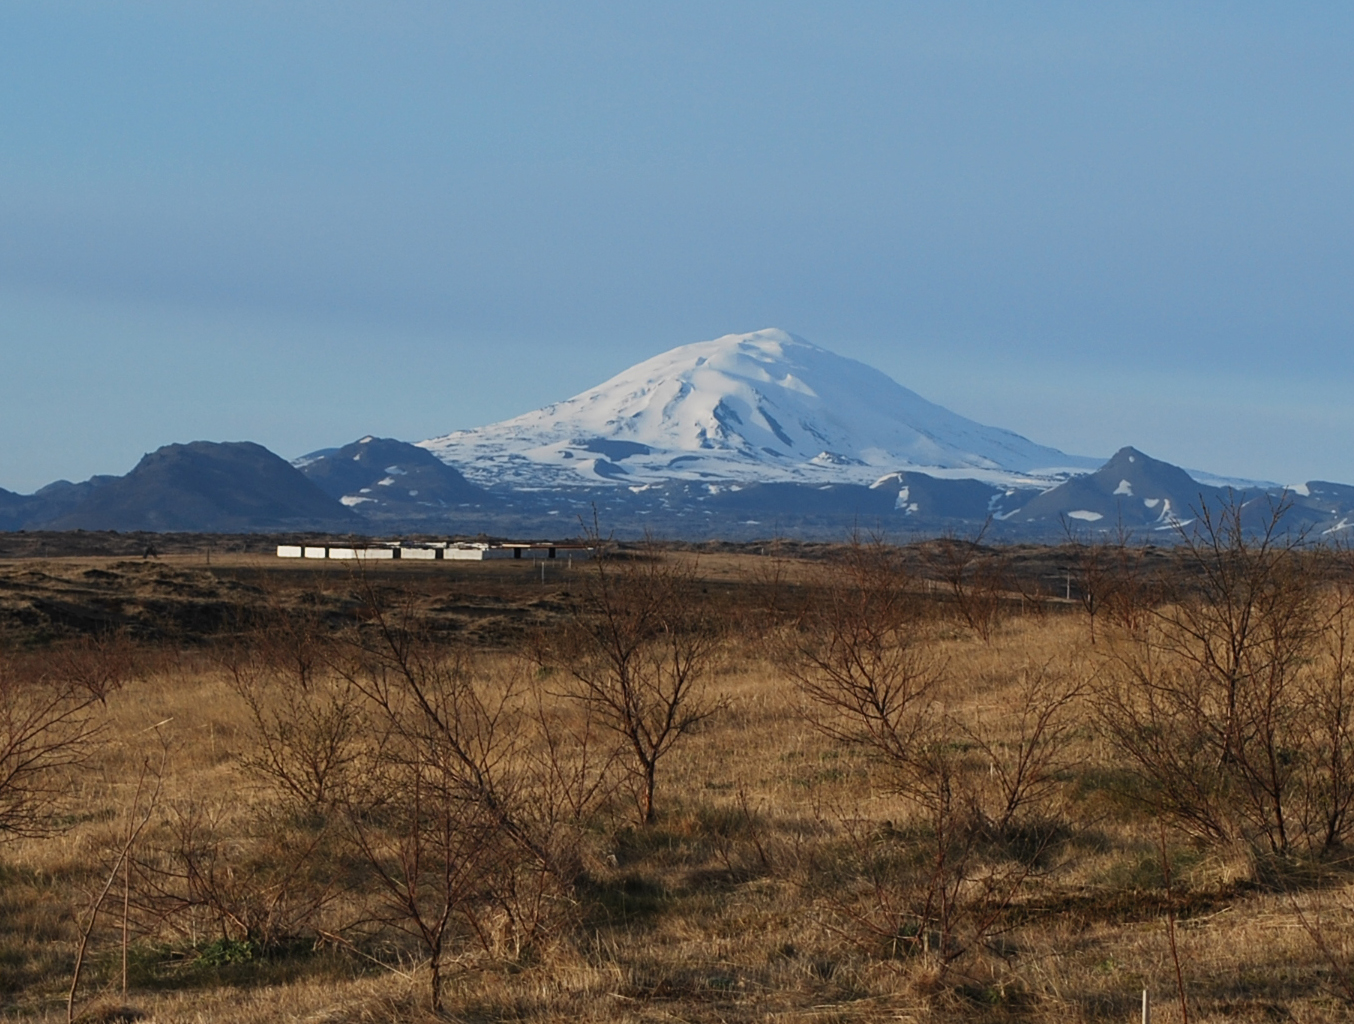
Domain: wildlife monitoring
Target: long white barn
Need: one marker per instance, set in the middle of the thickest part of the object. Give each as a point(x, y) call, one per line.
point(459, 551)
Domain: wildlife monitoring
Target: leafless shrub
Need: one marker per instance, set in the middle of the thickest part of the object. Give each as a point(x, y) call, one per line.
point(266, 866)
point(1095, 578)
point(1328, 765)
point(1232, 704)
point(429, 846)
point(1109, 578)
point(568, 772)
point(96, 665)
point(863, 661)
point(636, 650)
point(976, 576)
point(208, 872)
point(48, 722)
point(932, 887)
point(292, 643)
point(937, 884)
point(1026, 751)
point(309, 726)
point(466, 810)
point(780, 599)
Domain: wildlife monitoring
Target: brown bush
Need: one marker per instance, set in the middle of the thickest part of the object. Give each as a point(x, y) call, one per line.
point(1232, 703)
point(636, 649)
point(49, 720)
point(936, 884)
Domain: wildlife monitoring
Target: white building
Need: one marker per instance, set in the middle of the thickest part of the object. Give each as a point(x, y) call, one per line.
point(440, 551)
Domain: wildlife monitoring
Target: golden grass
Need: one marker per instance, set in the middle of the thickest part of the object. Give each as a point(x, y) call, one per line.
point(724, 910)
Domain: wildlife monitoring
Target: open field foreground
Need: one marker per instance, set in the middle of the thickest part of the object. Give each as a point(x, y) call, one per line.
point(874, 785)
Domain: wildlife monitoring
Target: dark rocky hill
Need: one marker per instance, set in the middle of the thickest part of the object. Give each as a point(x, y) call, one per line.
point(1324, 506)
point(208, 486)
point(381, 478)
point(12, 509)
point(1131, 489)
point(30, 511)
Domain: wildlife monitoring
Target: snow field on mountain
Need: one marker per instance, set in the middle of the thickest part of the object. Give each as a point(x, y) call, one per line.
point(759, 407)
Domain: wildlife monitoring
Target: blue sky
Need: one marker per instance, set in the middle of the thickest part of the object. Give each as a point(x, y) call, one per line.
point(297, 223)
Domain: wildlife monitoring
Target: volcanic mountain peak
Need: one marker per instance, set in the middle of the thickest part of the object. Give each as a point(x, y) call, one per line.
point(765, 406)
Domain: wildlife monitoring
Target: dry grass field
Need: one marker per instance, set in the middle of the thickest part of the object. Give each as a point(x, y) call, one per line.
point(875, 798)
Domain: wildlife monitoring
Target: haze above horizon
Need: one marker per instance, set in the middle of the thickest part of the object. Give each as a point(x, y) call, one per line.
point(300, 224)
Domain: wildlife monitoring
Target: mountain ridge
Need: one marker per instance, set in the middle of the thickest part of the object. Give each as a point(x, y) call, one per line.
point(727, 437)
point(242, 487)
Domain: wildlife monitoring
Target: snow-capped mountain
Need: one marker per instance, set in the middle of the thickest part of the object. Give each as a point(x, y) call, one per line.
point(745, 408)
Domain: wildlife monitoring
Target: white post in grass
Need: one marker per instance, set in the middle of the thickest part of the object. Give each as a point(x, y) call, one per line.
point(1146, 1009)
